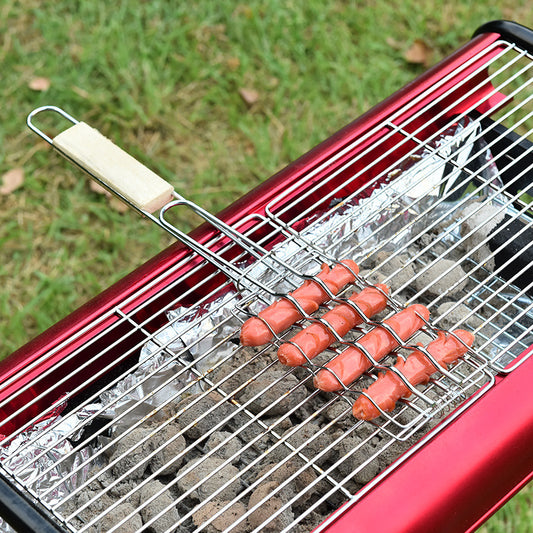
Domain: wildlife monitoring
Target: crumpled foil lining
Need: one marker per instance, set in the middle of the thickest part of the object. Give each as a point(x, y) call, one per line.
point(422, 176)
point(33, 466)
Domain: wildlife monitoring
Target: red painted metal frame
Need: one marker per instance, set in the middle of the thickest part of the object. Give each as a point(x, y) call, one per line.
point(432, 495)
point(460, 474)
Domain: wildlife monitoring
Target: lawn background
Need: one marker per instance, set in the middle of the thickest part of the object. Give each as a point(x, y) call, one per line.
point(213, 96)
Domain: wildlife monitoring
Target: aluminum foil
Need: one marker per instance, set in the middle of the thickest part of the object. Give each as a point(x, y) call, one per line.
point(30, 464)
point(423, 177)
point(420, 184)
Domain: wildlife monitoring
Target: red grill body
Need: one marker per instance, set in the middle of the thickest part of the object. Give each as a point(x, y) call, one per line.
point(479, 461)
point(488, 439)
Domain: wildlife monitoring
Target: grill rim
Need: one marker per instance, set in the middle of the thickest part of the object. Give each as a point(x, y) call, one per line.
point(510, 31)
point(22, 512)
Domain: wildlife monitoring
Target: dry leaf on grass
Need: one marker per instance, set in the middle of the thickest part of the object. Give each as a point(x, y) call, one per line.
point(39, 84)
point(81, 92)
point(233, 63)
point(419, 53)
point(244, 10)
point(12, 180)
point(118, 205)
point(98, 189)
point(115, 203)
point(249, 96)
point(393, 43)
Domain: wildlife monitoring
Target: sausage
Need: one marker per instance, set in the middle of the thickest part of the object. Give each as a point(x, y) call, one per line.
point(378, 342)
point(416, 368)
point(282, 313)
point(315, 338)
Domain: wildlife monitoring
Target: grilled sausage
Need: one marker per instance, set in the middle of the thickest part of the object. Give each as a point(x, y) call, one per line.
point(282, 313)
point(315, 338)
point(378, 342)
point(416, 368)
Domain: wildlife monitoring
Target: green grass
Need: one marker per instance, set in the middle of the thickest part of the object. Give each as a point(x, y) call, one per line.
point(162, 79)
point(515, 517)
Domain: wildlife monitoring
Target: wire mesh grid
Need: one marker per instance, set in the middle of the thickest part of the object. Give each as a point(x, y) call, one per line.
point(216, 436)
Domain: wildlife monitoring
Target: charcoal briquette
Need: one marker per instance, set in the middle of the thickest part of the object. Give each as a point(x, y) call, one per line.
point(271, 388)
point(203, 413)
point(451, 315)
point(119, 513)
point(163, 502)
point(263, 515)
point(230, 449)
point(169, 457)
point(203, 474)
point(135, 458)
point(225, 521)
point(443, 277)
point(353, 461)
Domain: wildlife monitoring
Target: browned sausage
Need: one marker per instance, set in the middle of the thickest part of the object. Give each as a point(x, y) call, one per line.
point(378, 342)
point(282, 313)
point(416, 368)
point(315, 338)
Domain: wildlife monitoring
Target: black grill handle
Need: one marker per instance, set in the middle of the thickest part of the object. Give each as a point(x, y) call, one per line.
point(510, 31)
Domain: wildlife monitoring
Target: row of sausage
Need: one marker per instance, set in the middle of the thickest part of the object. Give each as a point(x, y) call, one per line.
point(370, 348)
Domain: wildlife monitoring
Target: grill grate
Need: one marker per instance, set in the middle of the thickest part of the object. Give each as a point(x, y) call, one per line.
point(160, 449)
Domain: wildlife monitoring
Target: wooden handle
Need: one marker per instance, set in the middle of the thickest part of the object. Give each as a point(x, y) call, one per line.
point(116, 168)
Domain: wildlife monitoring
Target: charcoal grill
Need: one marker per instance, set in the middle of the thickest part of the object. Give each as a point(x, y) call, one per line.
point(142, 410)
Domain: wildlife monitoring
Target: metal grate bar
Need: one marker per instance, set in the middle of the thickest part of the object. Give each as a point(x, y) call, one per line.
point(66, 359)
